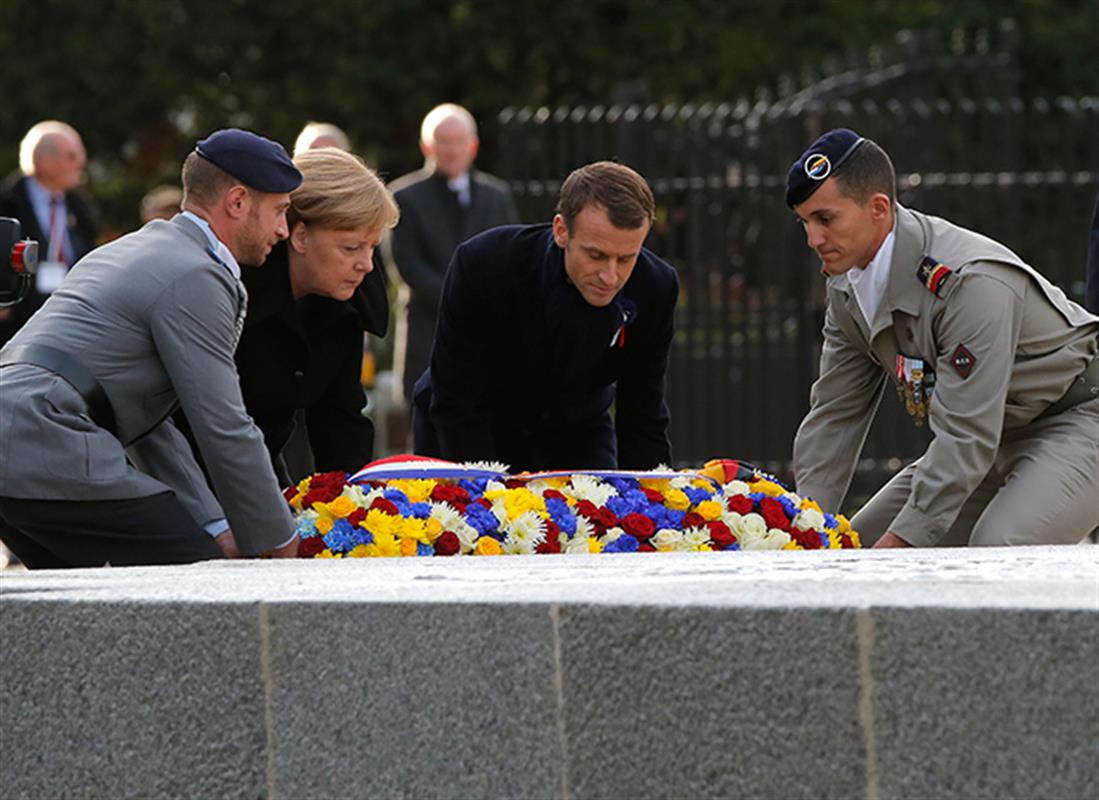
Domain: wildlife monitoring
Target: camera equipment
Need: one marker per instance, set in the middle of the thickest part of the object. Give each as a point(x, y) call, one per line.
point(18, 262)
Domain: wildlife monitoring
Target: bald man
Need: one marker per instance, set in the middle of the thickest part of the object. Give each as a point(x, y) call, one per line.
point(44, 199)
point(442, 205)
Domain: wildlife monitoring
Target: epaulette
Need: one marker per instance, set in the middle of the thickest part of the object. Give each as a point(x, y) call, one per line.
point(933, 274)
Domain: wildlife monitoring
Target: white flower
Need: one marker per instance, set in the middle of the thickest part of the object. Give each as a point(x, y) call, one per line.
point(667, 539)
point(749, 529)
point(809, 518)
point(587, 487)
point(528, 527)
point(577, 545)
point(611, 535)
point(777, 539)
point(584, 529)
point(494, 486)
point(517, 547)
point(488, 466)
point(680, 482)
point(693, 537)
point(733, 488)
point(452, 520)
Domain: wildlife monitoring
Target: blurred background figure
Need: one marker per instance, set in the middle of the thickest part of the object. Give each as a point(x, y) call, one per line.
point(161, 202)
point(321, 134)
point(43, 197)
point(442, 205)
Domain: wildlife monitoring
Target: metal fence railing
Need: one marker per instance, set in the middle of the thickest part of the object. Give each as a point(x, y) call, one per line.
point(1021, 170)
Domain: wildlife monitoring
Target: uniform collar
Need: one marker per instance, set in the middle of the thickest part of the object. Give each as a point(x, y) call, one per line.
point(218, 249)
point(903, 292)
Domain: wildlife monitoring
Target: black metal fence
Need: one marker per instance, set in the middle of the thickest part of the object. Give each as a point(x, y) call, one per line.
point(1022, 170)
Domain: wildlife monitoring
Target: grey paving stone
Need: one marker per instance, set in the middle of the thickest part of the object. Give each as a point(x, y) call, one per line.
point(416, 701)
point(101, 700)
point(694, 702)
point(976, 703)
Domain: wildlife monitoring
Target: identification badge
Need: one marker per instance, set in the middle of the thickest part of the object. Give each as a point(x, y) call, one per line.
point(49, 276)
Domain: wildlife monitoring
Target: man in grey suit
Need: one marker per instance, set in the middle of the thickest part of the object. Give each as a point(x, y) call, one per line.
point(442, 205)
point(91, 468)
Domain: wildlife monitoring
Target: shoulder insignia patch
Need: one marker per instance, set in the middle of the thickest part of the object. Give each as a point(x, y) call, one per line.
point(933, 274)
point(963, 361)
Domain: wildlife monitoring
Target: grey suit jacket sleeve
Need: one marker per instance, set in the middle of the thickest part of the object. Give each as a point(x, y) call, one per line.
point(193, 325)
point(166, 455)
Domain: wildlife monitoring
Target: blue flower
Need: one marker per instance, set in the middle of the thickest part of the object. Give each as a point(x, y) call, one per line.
point(396, 496)
point(419, 510)
point(755, 497)
point(623, 544)
point(789, 506)
point(733, 546)
point(823, 539)
point(306, 528)
point(339, 539)
point(696, 496)
point(831, 522)
point(623, 485)
point(482, 519)
point(424, 549)
point(362, 536)
point(475, 487)
point(560, 513)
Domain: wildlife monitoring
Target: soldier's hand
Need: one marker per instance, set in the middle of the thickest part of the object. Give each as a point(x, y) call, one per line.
point(228, 543)
point(288, 550)
point(891, 539)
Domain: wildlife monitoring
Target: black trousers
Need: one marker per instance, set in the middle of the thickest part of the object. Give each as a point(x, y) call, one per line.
point(55, 534)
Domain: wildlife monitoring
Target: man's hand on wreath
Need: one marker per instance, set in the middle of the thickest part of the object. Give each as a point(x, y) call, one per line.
point(228, 543)
point(891, 539)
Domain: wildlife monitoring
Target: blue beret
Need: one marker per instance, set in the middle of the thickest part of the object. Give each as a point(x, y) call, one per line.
point(818, 162)
point(256, 162)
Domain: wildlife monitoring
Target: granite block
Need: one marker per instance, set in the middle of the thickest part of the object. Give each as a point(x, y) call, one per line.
point(104, 700)
point(978, 703)
point(413, 700)
point(703, 702)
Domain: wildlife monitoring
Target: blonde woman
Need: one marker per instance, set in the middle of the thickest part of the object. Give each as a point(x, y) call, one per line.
point(308, 306)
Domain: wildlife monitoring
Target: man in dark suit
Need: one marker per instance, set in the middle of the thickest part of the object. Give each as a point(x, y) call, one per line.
point(44, 199)
point(542, 328)
point(442, 205)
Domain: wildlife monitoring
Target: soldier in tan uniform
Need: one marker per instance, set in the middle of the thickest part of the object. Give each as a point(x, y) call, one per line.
point(994, 357)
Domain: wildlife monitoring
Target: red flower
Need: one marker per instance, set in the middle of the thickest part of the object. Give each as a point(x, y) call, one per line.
point(357, 516)
point(385, 506)
point(324, 488)
point(447, 544)
point(653, 496)
point(774, 514)
point(443, 493)
point(720, 534)
point(552, 542)
point(586, 508)
point(740, 503)
point(604, 518)
point(515, 483)
point(553, 530)
point(552, 494)
point(638, 526)
point(645, 547)
point(290, 492)
point(847, 542)
point(809, 539)
point(693, 520)
point(483, 502)
point(310, 547)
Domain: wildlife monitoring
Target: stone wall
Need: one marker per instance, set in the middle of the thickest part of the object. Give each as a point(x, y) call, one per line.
point(778, 675)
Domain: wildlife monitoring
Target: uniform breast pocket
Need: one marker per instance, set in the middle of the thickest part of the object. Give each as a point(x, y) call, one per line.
point(73, 447)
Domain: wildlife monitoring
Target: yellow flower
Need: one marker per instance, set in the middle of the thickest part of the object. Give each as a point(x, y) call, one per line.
point(324, 524)
point(703, 548)
point(326, 553)
point(807, 503)
point(656, 484)
point(855, 538)
point(416, 489)
point(341, 507)
point(702, 483)
point(412, 528)
point(769, 488)
point(519, 501)
point(710, 510)
point(359, 551)
point(677, 499)
point(387, 546)
point(433, 529)
point(295, 502)
point(408, 547)
point(791, 545)
point(594, 545)
point(379, 523)
point(487, 546)
point(844, 525)
point(834, 541)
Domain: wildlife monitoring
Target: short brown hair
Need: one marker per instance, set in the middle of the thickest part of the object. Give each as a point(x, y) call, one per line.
point(624, 194)
point(204, 182)
point(865, 173)
point(340, 192)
